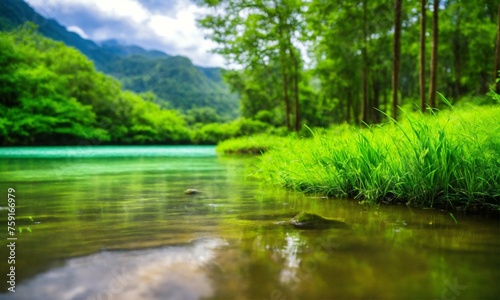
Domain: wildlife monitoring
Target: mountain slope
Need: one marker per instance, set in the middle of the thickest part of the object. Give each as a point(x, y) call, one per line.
point(115, 47)
point(14, 13)
point(175, 80)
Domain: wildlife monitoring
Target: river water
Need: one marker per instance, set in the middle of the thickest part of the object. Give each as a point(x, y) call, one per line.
point(114, 223)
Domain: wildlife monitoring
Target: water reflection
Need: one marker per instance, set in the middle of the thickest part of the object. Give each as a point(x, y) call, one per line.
point(121, 226)
point(164, 273)
point(292, 262)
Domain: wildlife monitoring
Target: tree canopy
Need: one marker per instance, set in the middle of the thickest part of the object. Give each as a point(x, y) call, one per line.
point(331, 61)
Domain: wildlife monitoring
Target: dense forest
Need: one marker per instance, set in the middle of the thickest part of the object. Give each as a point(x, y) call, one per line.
point(323, 62)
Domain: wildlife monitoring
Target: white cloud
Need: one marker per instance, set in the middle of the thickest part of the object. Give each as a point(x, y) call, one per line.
point(119, 9)
point(78, 30)
point(173, 31)
point(111, 8)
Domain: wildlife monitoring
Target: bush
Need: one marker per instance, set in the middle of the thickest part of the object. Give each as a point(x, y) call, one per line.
point(214, 133)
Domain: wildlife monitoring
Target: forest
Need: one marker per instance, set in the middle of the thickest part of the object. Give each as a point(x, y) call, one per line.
point(296, 65)
point(328, 62)
point(51, 94)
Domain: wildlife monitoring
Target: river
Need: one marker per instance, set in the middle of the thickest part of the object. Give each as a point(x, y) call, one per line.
point(114, 223)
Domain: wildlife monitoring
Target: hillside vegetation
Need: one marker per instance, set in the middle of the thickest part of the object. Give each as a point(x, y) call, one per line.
point(51, 94)
point(176, 82)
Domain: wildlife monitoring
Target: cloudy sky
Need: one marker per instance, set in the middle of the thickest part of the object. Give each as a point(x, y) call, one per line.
point(166, 25)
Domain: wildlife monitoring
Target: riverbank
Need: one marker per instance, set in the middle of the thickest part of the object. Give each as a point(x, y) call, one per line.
point(254, 144)
point(449, 160)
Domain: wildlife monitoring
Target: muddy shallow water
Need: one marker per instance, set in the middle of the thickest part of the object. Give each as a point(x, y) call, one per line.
point(114, 223)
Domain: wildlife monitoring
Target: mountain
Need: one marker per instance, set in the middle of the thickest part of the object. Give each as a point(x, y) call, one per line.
point(174, 79)
point(14, 13)
point(119, 49)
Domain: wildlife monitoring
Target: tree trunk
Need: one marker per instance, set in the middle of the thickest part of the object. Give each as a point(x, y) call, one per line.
point(296, 89)
point(458, 67)
point(457, 53)
point(284, 72)
point(386, 99)
point(297, 103)
point(376, 101)
point(347, 106)
point(355, 105)
point(397, 52)
point(497, 56)
point(286, 99)
point(422, 54)
point(365, 68)
point(434, 55)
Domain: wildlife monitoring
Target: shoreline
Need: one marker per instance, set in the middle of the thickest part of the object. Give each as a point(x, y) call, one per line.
point(447, 160)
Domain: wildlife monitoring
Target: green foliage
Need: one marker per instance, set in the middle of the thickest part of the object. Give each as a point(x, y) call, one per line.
point(255, 144)
point(349, 43)
point(51, 94)
point(202, 115)
point(177, 83)
point(261, 37)
point(448, 159)
point(36, 104)
point(147, 123)
point(212, 133)
point(258, 91)
point(215, 132)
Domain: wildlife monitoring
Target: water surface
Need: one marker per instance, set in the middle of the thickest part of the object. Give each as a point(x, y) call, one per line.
point(114, 223)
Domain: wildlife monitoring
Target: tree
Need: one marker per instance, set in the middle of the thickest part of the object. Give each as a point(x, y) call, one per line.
point(423, 11)
point(397, 52)
point(259, 36)
point(284, 67)
point(202, 115)
point(434, 55)
point(497, 55)
point(335, 41)
point(467, 30)
point(365, 65)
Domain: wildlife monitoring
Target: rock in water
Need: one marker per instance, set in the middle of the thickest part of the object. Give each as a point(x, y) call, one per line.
point(311, 221)
point(192, 192)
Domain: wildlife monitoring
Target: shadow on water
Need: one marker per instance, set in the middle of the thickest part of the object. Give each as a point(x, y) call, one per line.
point(114, 223)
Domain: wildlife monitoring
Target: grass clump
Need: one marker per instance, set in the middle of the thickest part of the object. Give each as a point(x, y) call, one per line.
point(448, 159)
point(256, 144)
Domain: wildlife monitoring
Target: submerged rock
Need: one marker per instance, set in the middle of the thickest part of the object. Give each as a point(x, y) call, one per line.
point(311, 221)
point(192, 192)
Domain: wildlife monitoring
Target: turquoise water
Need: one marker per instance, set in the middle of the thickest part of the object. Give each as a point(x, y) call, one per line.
point(114, 223)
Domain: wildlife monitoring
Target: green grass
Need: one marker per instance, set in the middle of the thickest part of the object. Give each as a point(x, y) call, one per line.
point(255, 144)
point(448, 159)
